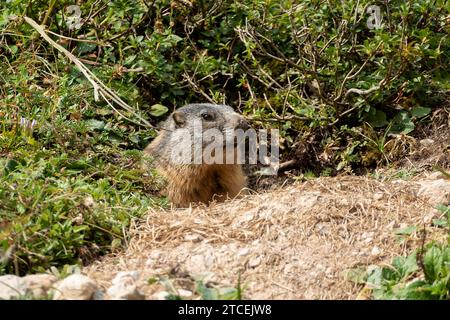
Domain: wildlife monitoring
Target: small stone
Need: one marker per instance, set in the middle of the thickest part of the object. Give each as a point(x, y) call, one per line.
point(426, 142)
point(153, 259)
point(98, 295)
point(39, 284)
point(243, 252)
point(200, 262)
point(391, 225)
point(125, 276)
point(323, 229)
point(193, 237)
point(308, 201)
point(162, 295)
point(78, 220)
point(428, 217)
point(75, 287)
point(184, 293)
point(89, 202)
point(367, 237)
point(254, 262)
point(124, 287)
point(375, 251)
point(11, 286)
point(124, 291)
point(378, 196)
point(437, 191)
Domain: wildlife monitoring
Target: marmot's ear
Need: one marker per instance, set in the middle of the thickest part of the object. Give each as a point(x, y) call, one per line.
point(179, 119)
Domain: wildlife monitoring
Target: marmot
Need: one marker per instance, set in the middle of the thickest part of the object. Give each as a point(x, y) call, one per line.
point(197, 182)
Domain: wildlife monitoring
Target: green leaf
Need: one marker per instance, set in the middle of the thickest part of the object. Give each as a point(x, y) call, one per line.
point(13, 49)
point(433, 262)
point(416, 290)
point(402, 124)
point(174, 38)
point(207, 293)
point(406, 231)
point(11, 165)
point(376, 118)
point(420, 112)
point(444, 209)
point(116, 243)
point(228, 294)
point(375, 276)
point(405, 266)
point(356, 275)
point(84, 47)
point(20, 208)
point(441, 223)
point(173, 297)
point(93, 124)
point(158, 110)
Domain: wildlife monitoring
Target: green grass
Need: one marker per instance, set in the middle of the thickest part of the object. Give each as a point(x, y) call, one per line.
point(422, 275)
point(71, 183)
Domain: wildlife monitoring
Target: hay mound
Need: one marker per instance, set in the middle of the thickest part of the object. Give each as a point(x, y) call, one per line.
point(292, 243)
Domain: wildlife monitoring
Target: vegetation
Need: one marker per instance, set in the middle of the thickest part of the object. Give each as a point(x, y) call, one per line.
point(70, 179)
point(424, 274)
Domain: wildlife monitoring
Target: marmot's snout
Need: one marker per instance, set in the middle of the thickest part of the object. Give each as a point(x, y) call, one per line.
point(242, 124)
point(239, 122)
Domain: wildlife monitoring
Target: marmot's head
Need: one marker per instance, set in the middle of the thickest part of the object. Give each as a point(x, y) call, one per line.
point(205, 125)
point(217, 116)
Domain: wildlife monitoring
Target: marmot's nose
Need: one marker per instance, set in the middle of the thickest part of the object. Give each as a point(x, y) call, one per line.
point(242, 124)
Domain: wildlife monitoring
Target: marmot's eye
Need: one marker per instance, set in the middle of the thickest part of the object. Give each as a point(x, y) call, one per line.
point(206, 116)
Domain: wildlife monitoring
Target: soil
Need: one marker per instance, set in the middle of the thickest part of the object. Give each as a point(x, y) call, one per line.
point(296, 242)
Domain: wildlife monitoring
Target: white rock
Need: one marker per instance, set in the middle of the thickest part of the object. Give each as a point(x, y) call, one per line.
point(391, 225)
point(124, 291)
point(89, 202)
point(200, 262)
point(254, 262)
point(75, 287)
point(153, 259)
point(39, 284)
point(437, 191)
point(125, 276)
point(309, 201)
point(124, 287)
point(184, 293)
point(375, 251)
point(162, 295)
point(193, 237)
point(243, 252)
point(426, 142)
point(378, 195)
point(11, 286)
point(428, 217)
